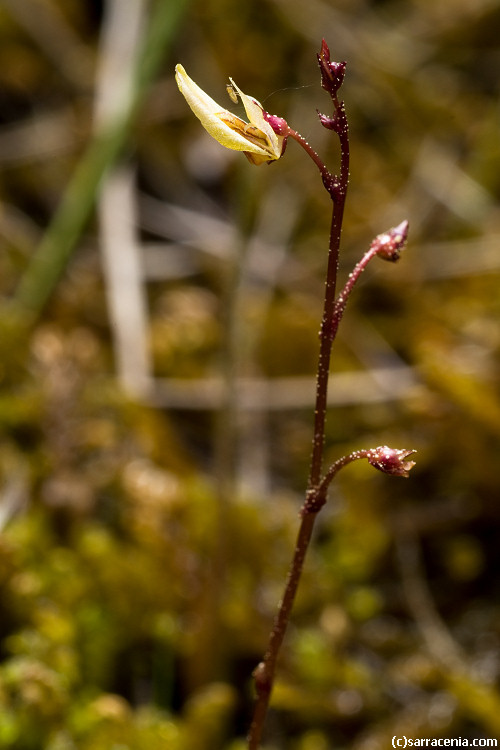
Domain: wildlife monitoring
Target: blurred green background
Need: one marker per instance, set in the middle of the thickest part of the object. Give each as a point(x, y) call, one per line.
point(161, 299)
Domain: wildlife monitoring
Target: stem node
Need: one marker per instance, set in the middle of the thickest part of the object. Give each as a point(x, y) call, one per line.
point(315, 499)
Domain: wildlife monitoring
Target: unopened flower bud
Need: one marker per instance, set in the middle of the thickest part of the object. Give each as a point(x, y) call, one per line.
point(388, 245)
point(391, 460)
point(278, 124)
point(332, 73)
point(330, 123)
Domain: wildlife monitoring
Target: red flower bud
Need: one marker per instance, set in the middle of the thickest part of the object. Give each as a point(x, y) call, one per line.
point(391, 460)
point(330, 123)
point(388, 245)
point(278, 124)
point(332, 73)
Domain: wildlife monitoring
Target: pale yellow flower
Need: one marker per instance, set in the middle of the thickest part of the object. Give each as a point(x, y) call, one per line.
point(256, 138)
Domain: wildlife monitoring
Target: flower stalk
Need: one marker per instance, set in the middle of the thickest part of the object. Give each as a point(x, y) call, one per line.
point(387, 246)
point(315, 498)
point(263, 139)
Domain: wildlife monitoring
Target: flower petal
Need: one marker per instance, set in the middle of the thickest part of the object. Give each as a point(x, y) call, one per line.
point(226, 128)
point(255, 114)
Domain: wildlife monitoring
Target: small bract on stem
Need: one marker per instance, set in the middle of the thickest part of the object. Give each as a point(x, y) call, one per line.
point(263, 140)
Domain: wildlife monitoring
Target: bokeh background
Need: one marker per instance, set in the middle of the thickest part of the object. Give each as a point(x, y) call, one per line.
point(161, 300)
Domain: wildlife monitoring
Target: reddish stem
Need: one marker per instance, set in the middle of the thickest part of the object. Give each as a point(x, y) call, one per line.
point(315, 497)
point(338, 194)
point(341, 300)
point(312, 153)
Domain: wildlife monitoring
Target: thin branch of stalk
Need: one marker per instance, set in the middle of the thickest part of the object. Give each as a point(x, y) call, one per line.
point(311, 153)
point(387, 246)
point(341, 302)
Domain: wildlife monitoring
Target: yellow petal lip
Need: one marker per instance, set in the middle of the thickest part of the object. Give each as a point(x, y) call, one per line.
point(255, 114)
point(256, 138)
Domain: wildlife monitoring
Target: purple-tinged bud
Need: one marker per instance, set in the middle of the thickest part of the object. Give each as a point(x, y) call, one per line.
point(332, 73)
point(330, 123)
point(391, 460)
point(388, 245)
point(278, 124)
